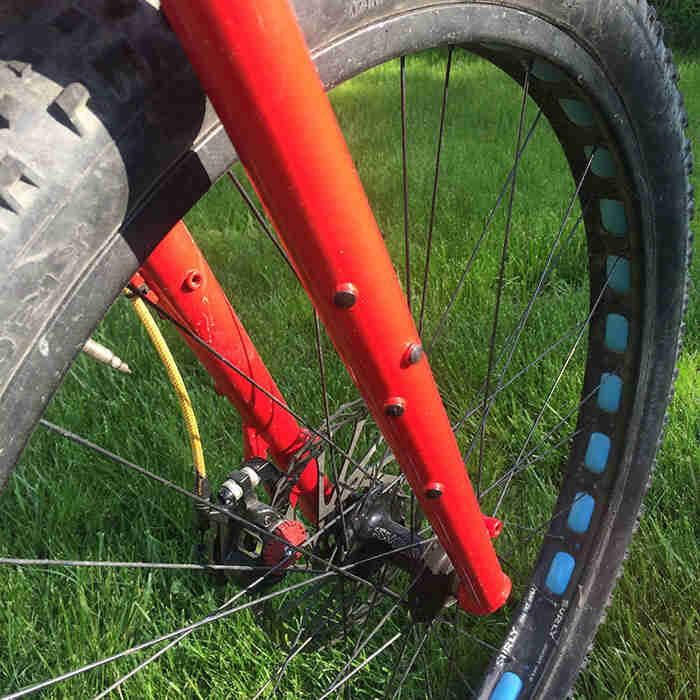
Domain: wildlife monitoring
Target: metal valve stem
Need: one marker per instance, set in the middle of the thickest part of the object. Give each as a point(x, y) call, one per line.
point(105, 355)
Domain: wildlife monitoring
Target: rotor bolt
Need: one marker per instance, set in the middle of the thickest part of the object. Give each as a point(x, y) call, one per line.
point(433, 490)
point(394, 407)
point(345, 295)
point(413, 354)
point(193, 280)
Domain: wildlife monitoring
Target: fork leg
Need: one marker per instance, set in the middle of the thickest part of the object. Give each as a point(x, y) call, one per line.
point(253, 62)
point(177, 272)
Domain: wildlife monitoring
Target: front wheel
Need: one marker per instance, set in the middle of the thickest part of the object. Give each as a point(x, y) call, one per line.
point(530, 178)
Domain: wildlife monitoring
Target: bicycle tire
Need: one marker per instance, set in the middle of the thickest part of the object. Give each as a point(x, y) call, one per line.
point(108, 88)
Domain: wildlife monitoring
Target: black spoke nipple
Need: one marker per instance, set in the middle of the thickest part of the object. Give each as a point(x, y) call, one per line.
point(433, 490)
point(345, 295)
point(394, 407)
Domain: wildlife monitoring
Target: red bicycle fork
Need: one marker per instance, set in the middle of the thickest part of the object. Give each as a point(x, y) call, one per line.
point(186, 288)
point(252, 60)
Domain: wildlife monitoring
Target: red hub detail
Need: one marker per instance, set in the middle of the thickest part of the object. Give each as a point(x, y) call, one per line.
point(293, 532)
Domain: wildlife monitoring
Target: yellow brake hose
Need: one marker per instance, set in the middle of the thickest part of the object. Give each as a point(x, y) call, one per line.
point(178, 385)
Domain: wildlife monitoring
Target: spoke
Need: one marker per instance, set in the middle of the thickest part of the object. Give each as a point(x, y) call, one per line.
point(387, 458)
point(501, 277)
point(539, 458)
point(394, 670)
point(515, 470)
point(371, 605)
point(404, 166)
point(521, 466)
point(322, 374)
point(378, 626)
point(178, 640)
point(513, 567)
point(148, 565)
point(343, 571)
point(426, 669)
point(478, 640)
point(120, 681)
point(477, 247)
point(453, 666)
point(511, 343)
point(552, 390)
point(293, 652)
point(321, 485)
point(250, 380)
point(357, 669)
point(170, 635)
point(290, 606)
point(283, 668)
point(534, 532)
point(391, 552)
point(366, 609)
point(359, 426)
point(474, 408)
point(261, 221)
point(552, 259)
point(514, 338)
point(344, 615)
point(411, 663)
point(429, 246)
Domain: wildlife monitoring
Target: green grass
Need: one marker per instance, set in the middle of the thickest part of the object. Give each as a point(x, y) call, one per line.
point(65, 503)
point(681, 20)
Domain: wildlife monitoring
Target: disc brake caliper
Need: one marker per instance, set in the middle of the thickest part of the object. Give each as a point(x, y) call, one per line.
point(257, 535)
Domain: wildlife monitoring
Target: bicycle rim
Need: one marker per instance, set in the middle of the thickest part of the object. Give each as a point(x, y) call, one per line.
point(559, 429)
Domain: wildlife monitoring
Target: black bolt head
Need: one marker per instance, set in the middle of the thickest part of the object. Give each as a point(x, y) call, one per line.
point(394, 410)
point(344, 298)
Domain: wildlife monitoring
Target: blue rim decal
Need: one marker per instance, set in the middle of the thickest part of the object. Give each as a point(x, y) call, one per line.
point(597, 453)
point(507, 688)
point(616, 332)
point(546, 71)
point(578, 112)
point(609, 392)
point(618, 273)
point(560, 571)
point(612, 214)
point(603, 164)
point(581, 512)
